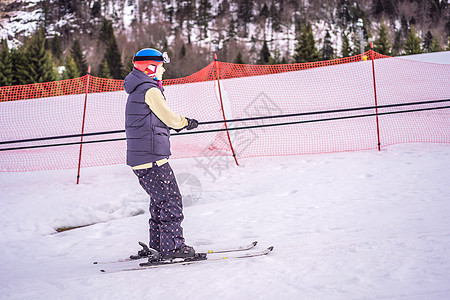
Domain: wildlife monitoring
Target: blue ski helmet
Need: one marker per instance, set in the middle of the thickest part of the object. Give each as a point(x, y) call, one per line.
point(150, 54)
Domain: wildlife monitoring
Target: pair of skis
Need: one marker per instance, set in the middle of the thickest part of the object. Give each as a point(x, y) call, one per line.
point(201, 257)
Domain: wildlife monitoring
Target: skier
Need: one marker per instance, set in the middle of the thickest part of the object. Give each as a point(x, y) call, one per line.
point(148, 121)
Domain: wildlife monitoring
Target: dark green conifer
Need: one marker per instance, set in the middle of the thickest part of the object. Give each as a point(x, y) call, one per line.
point(232, 28)
point(112, 53)
point(435, 45)
point(346, 50)
point(78, 57)
point(104, 71)
point(275, 17)
point(327, 50)
point(264, 54)
point(427, 42)
point(204, 17)
point(71, 69)
point(239, 59)
point(306, 50)
point(381, 44)
point(21, 74)
point(245, 14)
point(40, 67)
point(412, 45)
point(6, 70)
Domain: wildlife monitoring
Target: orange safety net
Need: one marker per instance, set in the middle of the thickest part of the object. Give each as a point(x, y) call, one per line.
point(56, 109)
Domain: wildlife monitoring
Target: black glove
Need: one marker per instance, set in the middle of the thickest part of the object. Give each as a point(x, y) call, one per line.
point(192, 123)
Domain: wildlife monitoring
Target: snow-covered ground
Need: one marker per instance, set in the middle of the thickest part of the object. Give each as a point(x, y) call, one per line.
point(435, 57)
point(354, 225)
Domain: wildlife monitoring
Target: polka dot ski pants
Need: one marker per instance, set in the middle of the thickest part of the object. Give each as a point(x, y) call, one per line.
point(166, 208)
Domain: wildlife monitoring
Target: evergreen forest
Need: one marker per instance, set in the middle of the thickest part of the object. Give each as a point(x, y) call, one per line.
point(105, 34)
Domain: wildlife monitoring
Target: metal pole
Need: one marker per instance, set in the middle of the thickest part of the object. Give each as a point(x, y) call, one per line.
point(223, 111)
point(82, 125)
point(375, 93)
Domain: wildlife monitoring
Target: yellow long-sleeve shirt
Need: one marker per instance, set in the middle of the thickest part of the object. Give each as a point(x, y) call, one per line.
point(155, 100)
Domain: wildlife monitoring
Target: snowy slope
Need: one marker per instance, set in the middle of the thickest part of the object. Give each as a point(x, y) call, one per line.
point(358, 225)
point(354, 225)
point(436, 57)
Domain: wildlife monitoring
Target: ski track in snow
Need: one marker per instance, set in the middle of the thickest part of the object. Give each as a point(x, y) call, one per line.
point(355, 225)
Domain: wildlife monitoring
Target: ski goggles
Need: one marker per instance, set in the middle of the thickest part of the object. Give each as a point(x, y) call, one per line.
point(164, 57)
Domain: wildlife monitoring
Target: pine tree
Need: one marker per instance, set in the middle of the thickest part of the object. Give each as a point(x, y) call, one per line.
point(264, 55)
point(427, 41)
point(381, 44)
point(327, 50)
point(377, 7)
point(245, 14)
point(104, 71)
point(168, 10)
point(112, 53)
point(115, 60)
point(239, 59)
point(96, 10)
point(129, 64)
point(190, 7)
point(275, 17)
point(78, 57)
point(54, 45)
point(275, 58)
point(40, 65)
point(264, 12)
point(224, 8)
point(343, 13)
point(6, 70)
point(435, 45)
point(346, 50)
point(398, 45)
point(183, 51)
point(232, 29)
point(204, 17)
point(381, 7)
point(412, 45)
point(71, 69)
point(306, 50)
point(20, 71)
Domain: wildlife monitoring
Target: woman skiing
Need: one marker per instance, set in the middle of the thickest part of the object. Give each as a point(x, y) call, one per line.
point(148, 121)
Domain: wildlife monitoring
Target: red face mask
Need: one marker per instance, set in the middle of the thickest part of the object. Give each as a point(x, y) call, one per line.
point(148, 67)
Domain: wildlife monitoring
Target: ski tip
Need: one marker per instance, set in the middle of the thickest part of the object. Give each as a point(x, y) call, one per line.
point(255, 243)
point(270, 248)
point(103, 271)
point(95, 262)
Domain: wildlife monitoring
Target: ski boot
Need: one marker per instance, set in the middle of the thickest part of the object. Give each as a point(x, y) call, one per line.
point(187, 253)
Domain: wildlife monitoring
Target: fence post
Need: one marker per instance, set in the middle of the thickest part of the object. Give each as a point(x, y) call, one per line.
point(84, 119)
point(375, 93)
point(223, 111)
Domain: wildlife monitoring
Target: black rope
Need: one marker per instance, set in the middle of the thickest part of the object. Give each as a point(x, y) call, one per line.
point(235, 120)
point(243, 127)
point(62, 137)
point(324, 112)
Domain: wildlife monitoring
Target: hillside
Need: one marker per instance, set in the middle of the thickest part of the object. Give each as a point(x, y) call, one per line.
point(193, 30)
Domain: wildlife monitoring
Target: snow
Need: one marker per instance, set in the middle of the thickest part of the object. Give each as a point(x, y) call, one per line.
point(435, 57)
point(354, 225)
